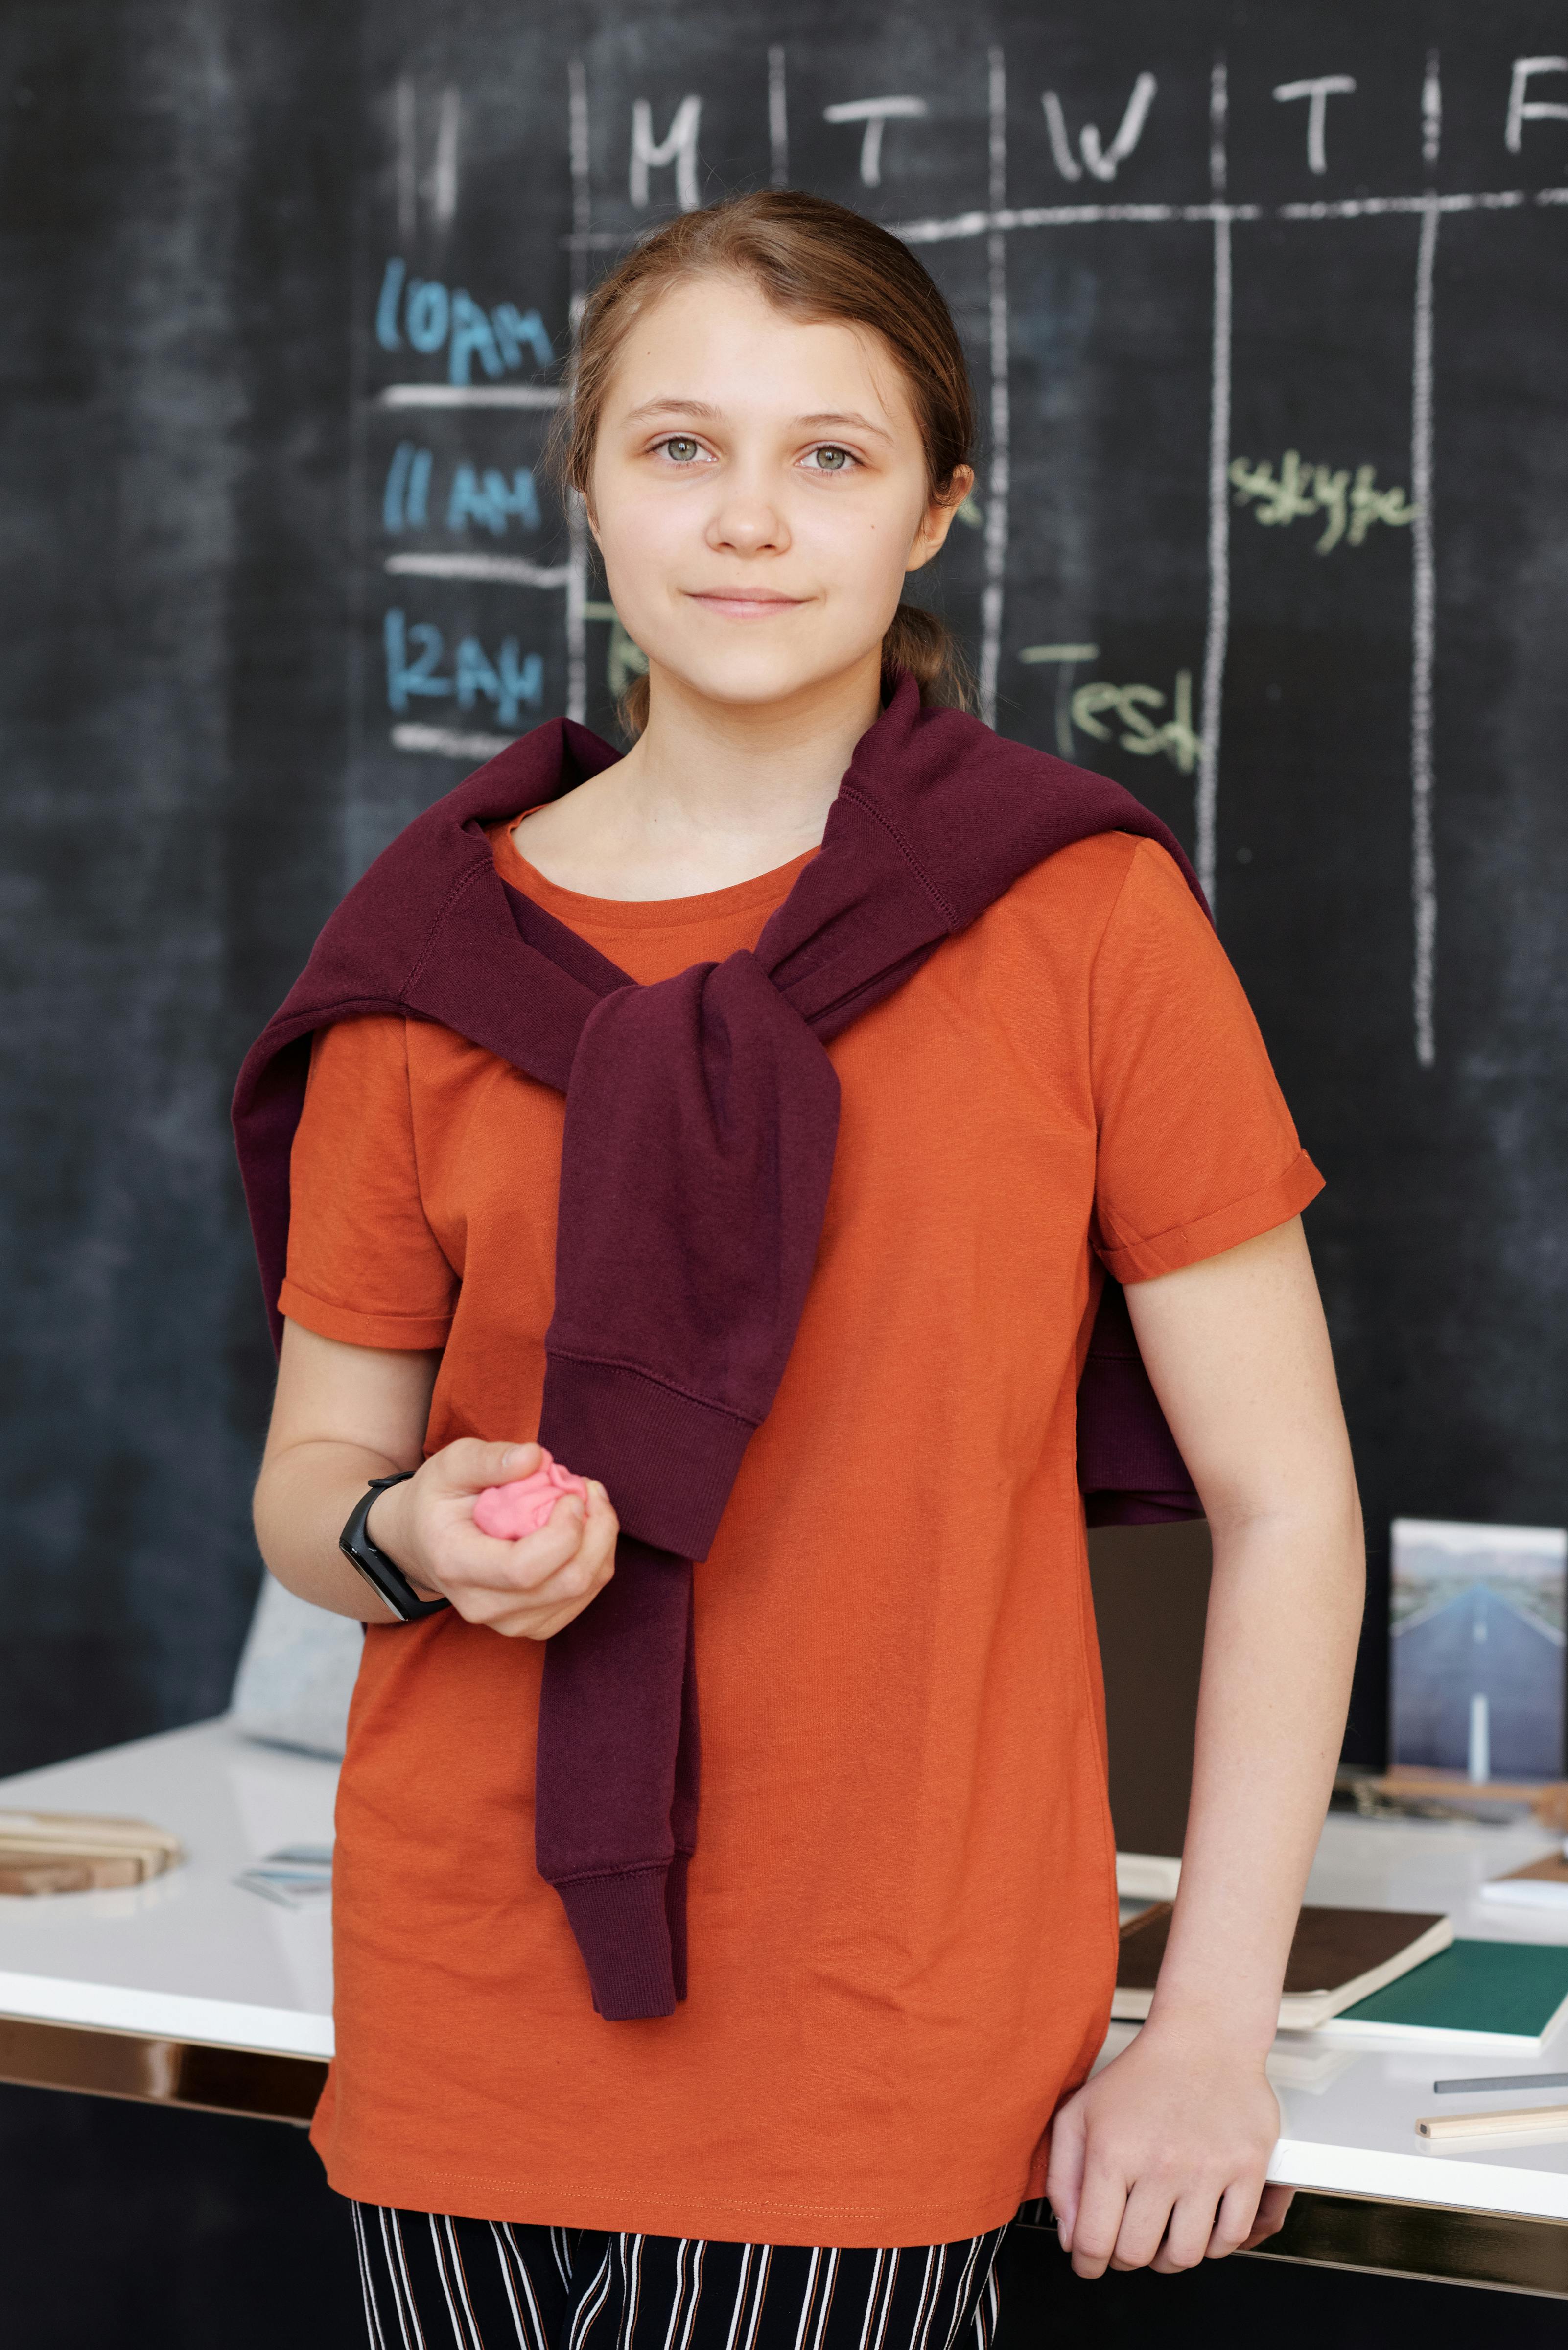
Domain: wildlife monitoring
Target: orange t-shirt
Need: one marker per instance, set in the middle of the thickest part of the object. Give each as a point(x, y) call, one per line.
point(902, 1909)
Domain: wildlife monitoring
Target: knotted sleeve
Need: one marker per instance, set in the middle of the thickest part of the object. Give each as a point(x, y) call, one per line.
point(701, 1124)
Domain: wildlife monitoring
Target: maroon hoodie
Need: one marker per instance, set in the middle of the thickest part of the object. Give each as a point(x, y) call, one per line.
point(701, 1115)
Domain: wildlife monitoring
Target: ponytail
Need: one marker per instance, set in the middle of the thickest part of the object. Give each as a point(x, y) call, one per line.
point(918, 644)
point(631, 706)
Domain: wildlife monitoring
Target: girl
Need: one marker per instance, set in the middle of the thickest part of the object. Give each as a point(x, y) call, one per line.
point(754, 1117)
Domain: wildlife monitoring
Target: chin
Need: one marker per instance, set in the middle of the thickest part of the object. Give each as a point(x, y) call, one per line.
point(743, 684)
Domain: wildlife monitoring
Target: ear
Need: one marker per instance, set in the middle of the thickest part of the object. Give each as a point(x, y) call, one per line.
point(938, 519)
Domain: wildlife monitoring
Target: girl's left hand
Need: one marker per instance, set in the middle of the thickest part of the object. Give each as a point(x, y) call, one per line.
point(1160, 2160)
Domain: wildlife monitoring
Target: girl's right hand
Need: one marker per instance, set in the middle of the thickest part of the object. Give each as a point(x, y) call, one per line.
point(525, 1589)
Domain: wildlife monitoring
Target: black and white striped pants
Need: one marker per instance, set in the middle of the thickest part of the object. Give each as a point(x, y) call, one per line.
point(434, 2283)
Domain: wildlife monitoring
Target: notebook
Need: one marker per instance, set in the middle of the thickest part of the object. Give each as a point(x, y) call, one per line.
point(1508, 1997)
point(1338, 1957)
point(1540, 1885)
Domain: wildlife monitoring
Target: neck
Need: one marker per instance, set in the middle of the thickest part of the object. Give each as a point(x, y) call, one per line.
point(712, 794)
point(748, 773)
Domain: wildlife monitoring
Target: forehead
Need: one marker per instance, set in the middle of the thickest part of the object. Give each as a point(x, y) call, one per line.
point(719, 341)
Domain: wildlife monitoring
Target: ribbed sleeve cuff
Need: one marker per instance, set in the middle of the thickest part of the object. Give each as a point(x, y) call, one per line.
point(621, 1925)
point(667, 1460)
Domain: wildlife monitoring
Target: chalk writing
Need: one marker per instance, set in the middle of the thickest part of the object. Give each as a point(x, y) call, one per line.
point(874, 112)
point(434, 316)
point(489, 498)
point(438, 186)
point(1522, 108)
point(679, 146)
point(1103, 162)
point(1317, 93)
point(405, 500)
point(1352, 502)
point(623, 660)
point(1131, 706)
point(415, 651)
point(1088, 707)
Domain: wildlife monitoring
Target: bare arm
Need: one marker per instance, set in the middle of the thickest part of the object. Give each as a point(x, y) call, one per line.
point(343, 1415)
point(1160, 2160)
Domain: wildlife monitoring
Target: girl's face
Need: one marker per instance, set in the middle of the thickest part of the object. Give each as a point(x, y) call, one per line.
point(759, 491)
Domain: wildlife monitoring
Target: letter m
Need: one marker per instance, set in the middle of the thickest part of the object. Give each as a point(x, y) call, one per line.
point(679, 146)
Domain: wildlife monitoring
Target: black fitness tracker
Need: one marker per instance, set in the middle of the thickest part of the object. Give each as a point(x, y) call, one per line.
point(387, 1580)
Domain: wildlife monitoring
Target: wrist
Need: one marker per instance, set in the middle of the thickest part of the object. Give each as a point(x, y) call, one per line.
point(1204, 2032)
point(389, 1525)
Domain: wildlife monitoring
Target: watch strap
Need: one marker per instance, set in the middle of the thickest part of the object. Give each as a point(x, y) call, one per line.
point(383, 1575)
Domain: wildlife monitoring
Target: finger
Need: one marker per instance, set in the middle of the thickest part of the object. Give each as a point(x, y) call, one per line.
point(1187, 2234)
point(1274, 2204)
point(582, 1573)
point(1234, 2220)
point(540, 1619)
point(468, 1465)
point(550, 1599)
point(600, 1509)
point(1144, 2220)
point(601, 1529)
point(1064, 2175)
point(479, 1562)
point(1102, 2202)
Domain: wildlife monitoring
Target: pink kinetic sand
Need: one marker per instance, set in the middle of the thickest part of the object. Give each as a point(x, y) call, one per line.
point(509, 1511)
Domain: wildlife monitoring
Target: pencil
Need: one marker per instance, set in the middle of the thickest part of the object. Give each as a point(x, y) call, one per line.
point(1512, 2121)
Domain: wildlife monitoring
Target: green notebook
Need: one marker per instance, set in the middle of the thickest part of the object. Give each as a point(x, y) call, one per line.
point(1508, 1996)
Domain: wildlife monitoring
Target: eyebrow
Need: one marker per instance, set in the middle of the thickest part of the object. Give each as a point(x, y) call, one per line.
point(848, 416)
point(670, 404)
point(673, 404)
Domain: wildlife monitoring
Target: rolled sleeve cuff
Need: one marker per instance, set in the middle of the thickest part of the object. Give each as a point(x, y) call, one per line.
point(418, 1333)
point(1260, 1212)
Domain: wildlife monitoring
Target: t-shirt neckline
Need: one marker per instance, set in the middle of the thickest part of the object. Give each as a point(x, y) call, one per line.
point(577, 910)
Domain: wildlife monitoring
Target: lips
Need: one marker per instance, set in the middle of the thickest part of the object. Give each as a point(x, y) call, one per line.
point(744, 603)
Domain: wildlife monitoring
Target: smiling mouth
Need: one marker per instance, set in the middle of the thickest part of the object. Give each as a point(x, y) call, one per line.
point(742, 603)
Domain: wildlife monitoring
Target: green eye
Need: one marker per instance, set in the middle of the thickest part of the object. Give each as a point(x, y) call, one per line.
point(831, 461)
point(681, 449)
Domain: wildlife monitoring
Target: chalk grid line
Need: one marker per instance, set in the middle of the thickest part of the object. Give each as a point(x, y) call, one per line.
point(1423, 650)
point(576, 519)
point(995, 223)
point(1216, 628)
point(999, 486)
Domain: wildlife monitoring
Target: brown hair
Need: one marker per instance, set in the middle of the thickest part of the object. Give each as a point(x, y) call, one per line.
point(813, 260)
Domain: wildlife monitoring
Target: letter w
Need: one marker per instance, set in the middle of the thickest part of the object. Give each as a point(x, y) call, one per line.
point(1103, 162)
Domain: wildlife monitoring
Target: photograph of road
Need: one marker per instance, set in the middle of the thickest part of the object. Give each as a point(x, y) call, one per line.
point(1478, 1657)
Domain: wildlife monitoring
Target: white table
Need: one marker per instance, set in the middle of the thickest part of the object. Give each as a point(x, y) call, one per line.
point(188, 1989)
point(1381, 2198)
point(192, 1991)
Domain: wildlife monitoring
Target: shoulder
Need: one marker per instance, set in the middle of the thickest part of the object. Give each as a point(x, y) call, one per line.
point(1109, 879)
point(350, 1056)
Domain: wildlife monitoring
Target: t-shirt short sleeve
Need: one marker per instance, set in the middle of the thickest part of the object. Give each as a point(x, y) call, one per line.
point(1196, 1151)
point(363, 1263)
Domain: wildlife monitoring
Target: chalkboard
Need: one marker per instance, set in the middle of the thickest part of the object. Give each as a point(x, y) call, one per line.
point(1266, 318)
point(1264, 313)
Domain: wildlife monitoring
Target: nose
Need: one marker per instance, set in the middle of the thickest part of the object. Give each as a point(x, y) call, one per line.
point(746, 521)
